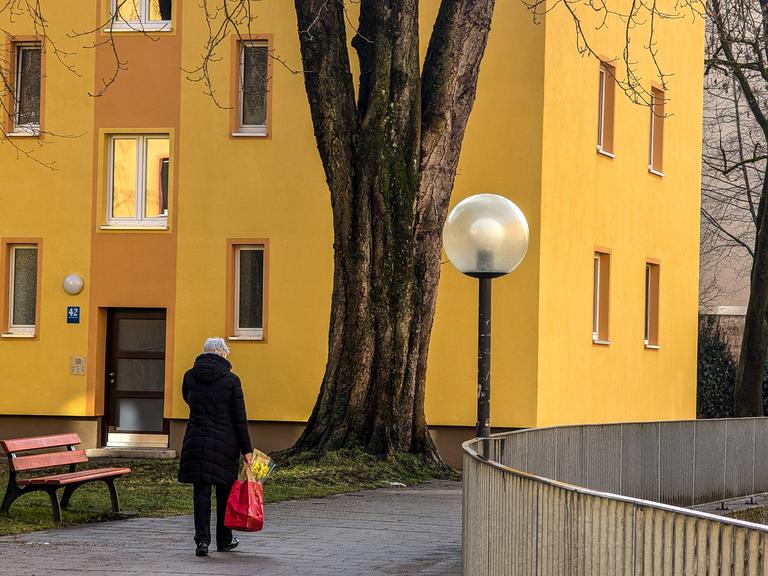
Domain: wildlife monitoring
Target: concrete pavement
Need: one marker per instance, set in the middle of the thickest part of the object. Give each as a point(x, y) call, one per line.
point(406, 531)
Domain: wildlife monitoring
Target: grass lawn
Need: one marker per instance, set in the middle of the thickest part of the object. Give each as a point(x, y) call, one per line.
point(152, 490)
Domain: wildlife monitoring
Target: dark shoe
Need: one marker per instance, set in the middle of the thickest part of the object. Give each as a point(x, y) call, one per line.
point(231, 546)
point(202, 549)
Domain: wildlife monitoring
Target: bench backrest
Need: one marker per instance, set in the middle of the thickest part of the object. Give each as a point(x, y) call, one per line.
point(43, 460)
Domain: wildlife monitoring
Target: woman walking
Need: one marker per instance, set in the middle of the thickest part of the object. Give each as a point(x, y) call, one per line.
point(217, 433)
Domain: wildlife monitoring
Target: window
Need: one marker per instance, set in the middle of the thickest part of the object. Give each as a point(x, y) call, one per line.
point(600, 287)
point(26, 94)
point(252, 116)
point(151, 15)
point(22, 288)
point(651, 305)
point(656, 154)
point(249, 292)
point(138, 190)
point(605, 109)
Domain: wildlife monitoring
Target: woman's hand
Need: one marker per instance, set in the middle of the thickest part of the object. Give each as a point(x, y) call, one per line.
point(248, 459)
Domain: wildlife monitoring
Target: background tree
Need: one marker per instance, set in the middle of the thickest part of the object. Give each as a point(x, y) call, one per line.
point(735, 203)
point(731, 188)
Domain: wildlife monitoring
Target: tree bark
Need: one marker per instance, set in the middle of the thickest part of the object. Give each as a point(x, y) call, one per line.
point(390, 160)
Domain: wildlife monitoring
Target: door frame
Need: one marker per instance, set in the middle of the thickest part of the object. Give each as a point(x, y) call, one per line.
point(110, 392)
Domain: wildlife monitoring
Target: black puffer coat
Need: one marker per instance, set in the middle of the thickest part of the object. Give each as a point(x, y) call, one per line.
point(217, 431)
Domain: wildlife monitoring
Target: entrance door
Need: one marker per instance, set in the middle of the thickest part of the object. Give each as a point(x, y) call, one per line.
point(135, 377)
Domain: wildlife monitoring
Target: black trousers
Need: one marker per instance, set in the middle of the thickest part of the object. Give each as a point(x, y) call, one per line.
point(202, 501)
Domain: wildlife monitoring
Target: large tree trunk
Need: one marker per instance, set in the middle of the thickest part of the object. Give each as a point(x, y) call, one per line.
point(390, 159)
point(748, 391)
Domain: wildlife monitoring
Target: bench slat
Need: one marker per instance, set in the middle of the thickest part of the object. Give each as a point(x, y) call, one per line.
point(72, 477)
point(34, 461)
point(37, 442)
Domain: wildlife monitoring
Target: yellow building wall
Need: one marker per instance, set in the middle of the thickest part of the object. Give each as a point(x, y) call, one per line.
point(501, 154)
point(588, 201)
point(250, 187)
point(275, 189)
point(53, 204)
point(530, 138)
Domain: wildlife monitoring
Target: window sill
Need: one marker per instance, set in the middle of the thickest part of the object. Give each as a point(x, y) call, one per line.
point(141, 27)
point(605, 152)
point(11, 336)
point(651, 170)
point(250, 134)
point(652, 347)
point(134, 228)
point(601, 342)
point(246, 338)
point(23, 134)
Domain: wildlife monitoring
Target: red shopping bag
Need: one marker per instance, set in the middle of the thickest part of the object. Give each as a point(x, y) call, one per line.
point(245, 505)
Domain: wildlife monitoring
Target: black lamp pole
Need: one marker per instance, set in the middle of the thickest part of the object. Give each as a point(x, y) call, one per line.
point(483, 428)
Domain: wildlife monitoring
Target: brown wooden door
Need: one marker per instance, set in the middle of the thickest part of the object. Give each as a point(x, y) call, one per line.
point(136, 371)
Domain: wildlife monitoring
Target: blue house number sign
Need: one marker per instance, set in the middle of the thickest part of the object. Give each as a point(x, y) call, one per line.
point(73, 314)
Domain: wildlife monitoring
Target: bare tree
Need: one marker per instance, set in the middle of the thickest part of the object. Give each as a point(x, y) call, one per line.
point(735, 201)
point(732, 176)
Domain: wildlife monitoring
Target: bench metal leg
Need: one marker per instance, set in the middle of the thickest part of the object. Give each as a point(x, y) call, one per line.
point(110, 482)
point(68, 489)
point(55, 503)
point(10, 496)
point(11, 493)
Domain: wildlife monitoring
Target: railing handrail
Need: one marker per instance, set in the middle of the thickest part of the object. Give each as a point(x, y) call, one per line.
point(471, 452)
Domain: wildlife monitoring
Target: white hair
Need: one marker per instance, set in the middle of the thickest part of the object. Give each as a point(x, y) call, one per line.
point(216, 346)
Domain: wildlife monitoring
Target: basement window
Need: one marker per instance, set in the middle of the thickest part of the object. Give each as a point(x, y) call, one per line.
point(142, 15)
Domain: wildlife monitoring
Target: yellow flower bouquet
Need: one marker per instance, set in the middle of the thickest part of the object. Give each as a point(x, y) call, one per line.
point(262, 466)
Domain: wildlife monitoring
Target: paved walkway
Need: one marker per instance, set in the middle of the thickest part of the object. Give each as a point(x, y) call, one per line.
point(406, 531)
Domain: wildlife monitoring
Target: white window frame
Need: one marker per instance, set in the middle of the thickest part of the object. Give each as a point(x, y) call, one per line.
point(24, 329)
point(647, 336)
point(143, 24)
point(596, 299)
point(601, 108)
point(651, 168)
point(140, 219)
point(26, 128)
point(653, 127)
point(247, 333)
point(251, 129)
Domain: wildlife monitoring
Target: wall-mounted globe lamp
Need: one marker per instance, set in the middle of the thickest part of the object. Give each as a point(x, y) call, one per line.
point(485, 236)
point(73, 284)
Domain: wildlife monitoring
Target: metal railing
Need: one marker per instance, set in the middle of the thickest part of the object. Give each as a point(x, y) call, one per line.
point(604, 500)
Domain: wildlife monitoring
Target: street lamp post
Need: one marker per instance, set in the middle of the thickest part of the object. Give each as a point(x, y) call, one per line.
point(485, 236)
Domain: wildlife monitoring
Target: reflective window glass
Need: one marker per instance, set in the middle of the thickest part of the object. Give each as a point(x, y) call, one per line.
point(28, 85)
point(124, 166)
point(24, 286)
point(158, 165)
point(251, 288)
point(254, 85)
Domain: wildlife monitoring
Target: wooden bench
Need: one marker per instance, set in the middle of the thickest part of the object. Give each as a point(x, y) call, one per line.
point(43, 458)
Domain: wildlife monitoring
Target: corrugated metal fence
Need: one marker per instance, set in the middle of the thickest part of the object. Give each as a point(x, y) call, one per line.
point(603, 500)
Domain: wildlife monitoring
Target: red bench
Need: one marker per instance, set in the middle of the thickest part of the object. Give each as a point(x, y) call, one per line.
point(70, 481)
